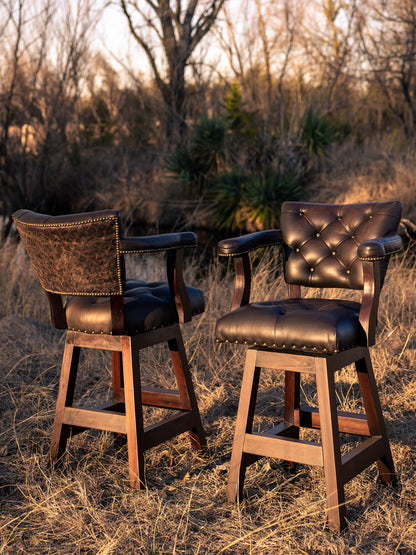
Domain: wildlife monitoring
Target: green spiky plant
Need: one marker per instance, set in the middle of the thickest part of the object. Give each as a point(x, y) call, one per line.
point(197, 164)
point(318, 132)
point(253, 201)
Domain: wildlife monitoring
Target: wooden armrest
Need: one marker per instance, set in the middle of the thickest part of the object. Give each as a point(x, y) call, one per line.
point(380, 247)
point(238, 246)
point(177, 285)
point(173, 243)
point(155, 243)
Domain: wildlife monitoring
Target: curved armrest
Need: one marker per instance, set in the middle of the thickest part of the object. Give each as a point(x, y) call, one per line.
point(375, 254)
point(379, 248)
point(174, 243)
point(154, 243)
point(238, 246)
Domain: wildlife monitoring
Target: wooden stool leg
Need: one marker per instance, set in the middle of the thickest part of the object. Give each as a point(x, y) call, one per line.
point(292, 402)
point(186, 390)
point(134, 413)
point(60, 433)
point(117, 368)
point(244, 424)
point(374, 415)
point(330, 444)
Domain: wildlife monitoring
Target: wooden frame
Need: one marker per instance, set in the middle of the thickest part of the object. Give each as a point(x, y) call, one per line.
point(282, 441)
point(124, 414)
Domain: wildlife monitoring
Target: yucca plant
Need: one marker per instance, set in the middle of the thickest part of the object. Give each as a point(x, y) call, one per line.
point(318, 132)
point(253, 201)
point(198, 164)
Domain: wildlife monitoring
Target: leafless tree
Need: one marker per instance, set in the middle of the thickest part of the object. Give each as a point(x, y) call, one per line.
point(168, 32)
point(331, 51)
point(388, 38)
point(43, 55)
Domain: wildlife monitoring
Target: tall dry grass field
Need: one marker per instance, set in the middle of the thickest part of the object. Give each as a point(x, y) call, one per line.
point(87, 506)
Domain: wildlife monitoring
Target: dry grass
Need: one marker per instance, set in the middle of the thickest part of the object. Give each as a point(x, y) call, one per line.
point(87, 507)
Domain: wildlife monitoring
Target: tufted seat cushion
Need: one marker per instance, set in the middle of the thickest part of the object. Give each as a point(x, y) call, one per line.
point(147, 306)
point(318, 325)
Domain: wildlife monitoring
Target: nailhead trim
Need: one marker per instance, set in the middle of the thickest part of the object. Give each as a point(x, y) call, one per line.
point(143, 251)
point(284, 346)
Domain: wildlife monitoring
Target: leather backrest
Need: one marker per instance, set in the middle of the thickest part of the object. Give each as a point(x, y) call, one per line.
point(321, 240)
point(78, 254)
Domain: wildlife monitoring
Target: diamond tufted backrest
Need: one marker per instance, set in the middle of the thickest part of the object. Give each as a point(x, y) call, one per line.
point(78, 254)
point(321, 240)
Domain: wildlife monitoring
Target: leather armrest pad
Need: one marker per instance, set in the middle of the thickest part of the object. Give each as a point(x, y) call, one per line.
point(246, 243)
point(154, 243)
point(380, 247)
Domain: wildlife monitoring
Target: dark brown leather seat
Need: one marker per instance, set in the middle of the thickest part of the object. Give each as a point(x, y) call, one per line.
point(324, 246)
point(300, 324)
point(79, 260)
point(146, 306)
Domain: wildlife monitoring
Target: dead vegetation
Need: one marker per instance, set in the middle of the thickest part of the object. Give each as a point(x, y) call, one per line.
point(87, 506)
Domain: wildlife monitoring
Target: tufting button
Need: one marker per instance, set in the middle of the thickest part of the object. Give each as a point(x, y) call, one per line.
point(318, 235)
point(297, 250)
point(339, 218)
point(333, 253)
point(370, 217)
point(312, 269)
point(348, 271)
point(352, 236)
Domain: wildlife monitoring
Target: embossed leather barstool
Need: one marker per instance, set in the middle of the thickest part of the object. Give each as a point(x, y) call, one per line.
point(81, 257)
point(337, 246)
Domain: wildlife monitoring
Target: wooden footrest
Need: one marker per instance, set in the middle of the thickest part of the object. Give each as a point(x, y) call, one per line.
point(359, 458)
point(287, 448)
point(348, 422)
point(104, 418)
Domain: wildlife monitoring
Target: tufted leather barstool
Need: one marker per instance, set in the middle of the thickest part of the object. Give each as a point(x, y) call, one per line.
point(81, 257)
point(337, 246)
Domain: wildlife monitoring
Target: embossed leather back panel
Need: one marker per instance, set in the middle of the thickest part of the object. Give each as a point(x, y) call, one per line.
point(77, 254)
point(321, 241)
